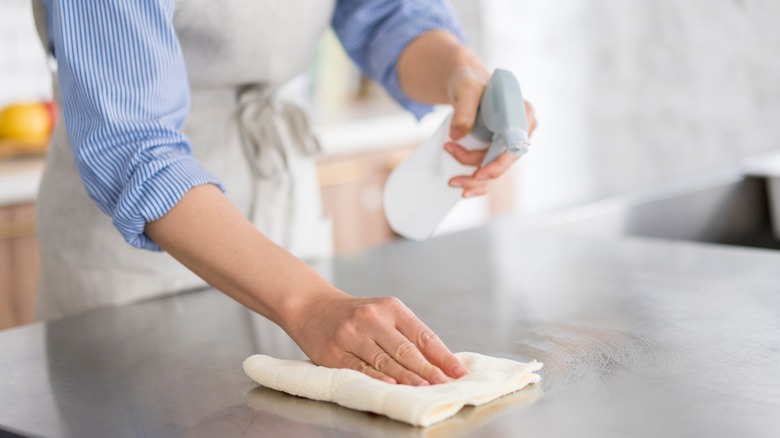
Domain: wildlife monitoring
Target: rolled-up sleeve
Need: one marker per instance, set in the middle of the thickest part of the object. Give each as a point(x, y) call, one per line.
point(375, 33)
point(125, 95)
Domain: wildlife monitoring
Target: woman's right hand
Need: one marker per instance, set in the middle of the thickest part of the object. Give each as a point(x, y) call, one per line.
point(379, 337)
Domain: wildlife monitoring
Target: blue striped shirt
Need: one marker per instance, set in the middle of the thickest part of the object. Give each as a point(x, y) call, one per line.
point(125, 94)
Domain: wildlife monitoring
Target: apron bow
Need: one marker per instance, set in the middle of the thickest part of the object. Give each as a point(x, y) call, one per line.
point(273, 132)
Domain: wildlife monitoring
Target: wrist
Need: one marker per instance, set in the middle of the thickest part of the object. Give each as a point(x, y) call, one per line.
point(432, 62)
point(298, 307)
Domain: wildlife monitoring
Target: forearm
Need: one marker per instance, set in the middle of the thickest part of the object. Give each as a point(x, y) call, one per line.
point(206, 233)
point(430, 65)
point(209, 236)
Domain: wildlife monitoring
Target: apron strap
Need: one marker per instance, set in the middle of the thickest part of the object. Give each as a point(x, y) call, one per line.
point(274, 136)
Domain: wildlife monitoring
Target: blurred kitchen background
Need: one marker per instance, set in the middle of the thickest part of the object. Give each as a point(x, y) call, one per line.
point(630, 95)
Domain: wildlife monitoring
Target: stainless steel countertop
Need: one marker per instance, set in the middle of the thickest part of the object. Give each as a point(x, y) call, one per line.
point(639, 337)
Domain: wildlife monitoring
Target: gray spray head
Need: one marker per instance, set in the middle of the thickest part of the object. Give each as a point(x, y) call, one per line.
point(501, 117)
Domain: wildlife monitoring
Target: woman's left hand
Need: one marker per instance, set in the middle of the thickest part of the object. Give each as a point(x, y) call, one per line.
point(465, 91)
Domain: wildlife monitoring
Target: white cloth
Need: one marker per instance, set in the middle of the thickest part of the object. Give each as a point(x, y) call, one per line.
point(489, 378)
point(350, 422)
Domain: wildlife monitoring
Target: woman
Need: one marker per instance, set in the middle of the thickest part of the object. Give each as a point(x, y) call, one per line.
point(172, 127)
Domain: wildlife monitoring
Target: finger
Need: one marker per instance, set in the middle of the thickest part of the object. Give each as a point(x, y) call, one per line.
point(407, 354)
point(496, 168)
point(430, 345)
point(465, 156)
point(379, 359)
point(358, 364)
point(471, 193)
point(467, 182)
point(466, 102)
point(531, 114)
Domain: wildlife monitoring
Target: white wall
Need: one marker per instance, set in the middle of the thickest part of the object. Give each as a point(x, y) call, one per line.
point(24, 75)
point(632, 93)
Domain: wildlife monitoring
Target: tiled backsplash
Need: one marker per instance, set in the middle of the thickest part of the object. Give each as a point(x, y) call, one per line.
point(24, 75)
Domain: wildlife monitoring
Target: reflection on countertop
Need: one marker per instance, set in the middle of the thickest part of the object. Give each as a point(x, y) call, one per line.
point(297, 410)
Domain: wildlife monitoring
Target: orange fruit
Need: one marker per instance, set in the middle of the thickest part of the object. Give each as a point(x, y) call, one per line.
point(26, 123)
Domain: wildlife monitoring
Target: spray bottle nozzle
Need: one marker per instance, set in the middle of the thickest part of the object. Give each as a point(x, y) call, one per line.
point(513, 140)
point(502, 115)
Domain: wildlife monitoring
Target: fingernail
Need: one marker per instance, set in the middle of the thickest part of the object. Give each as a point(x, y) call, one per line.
point(448, 147)
point(439, 378)
point(467, 194)
point(456, 184)
point(390, 380)
point(455, 134)
point(460, 370)
point(483, 177)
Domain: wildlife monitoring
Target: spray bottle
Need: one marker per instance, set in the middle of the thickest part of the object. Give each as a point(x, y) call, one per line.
point(417, 196)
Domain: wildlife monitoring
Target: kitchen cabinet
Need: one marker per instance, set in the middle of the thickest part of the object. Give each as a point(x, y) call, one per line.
point(352, 187)
point(19, 265)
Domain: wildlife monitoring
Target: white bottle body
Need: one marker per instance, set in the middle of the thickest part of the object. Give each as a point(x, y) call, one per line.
point(417, 196)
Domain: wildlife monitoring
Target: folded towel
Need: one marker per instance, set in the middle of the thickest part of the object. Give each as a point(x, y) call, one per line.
point(356, 423)
point(489, 378)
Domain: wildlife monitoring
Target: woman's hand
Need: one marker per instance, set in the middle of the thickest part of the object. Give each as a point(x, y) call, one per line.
point(437, 68)
point(379, 337)
point(465, 89)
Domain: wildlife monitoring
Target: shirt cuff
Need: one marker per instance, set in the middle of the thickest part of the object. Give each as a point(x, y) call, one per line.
point(153, 190)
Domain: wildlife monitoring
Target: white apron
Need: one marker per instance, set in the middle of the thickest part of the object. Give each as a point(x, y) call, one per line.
point(237, 54)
